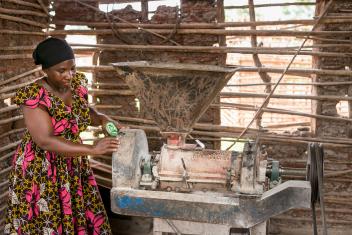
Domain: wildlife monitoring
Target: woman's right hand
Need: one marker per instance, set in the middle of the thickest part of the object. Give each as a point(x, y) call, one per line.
point(106, 145)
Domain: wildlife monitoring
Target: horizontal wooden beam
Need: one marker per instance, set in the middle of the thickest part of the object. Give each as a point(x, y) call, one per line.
point(18, 32)
point(298, 72)
point(10, 146)
point(272, 5)
point(8, 109)
point(15, 131)
point(2, 184)
point(7, 95)
point(247, 107)
point(5, 171)
point(309, 220)
point(107, 106)
point(6, 156)
point(119, 25)
point(22, 12)
point(120, 1)
point(22, 20)
point(293, 84)
point(15, 56)
point(329, 142)
point(204, 49)
point(15, 87)
point(11, 119)
point(219, 32)
point(288, 124)
point(18, 48)
point(79, 48)
point(14, 78)
point(101, 92)
point(184, 25)
point(200, 25)
point(24, 3)
point(282, 96)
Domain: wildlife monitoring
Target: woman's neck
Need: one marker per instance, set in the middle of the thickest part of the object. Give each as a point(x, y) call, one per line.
point(54, 88)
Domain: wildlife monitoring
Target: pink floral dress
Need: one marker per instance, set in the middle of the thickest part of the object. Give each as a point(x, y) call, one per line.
point(51, 194)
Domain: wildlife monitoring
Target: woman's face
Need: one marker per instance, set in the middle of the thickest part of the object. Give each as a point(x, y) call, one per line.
point(60, 75)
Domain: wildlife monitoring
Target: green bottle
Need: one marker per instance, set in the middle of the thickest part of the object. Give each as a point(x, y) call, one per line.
point(111, 129)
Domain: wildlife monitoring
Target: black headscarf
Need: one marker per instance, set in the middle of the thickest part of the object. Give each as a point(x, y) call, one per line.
point(52, 51)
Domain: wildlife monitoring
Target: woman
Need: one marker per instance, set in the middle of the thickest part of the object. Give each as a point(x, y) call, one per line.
point(52, 187)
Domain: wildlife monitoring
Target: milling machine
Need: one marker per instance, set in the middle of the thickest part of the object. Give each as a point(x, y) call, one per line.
point(188, 189)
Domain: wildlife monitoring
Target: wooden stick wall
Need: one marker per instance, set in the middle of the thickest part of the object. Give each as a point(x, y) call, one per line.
point(232, 29)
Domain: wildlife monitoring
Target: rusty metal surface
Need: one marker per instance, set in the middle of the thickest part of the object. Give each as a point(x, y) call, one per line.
point(176, 94)
point(206, 166)
point(239, 212)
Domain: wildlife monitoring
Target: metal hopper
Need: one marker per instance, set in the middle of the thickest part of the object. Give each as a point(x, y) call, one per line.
point(174, 94)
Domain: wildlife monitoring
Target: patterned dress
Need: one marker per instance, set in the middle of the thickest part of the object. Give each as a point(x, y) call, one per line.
point(51, 194)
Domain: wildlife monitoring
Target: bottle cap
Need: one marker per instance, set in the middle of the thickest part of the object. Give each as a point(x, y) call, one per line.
point(111, 129)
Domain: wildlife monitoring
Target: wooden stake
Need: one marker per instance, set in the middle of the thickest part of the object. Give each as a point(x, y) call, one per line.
point(144, 8)
point(263, 75)
point(45, 9)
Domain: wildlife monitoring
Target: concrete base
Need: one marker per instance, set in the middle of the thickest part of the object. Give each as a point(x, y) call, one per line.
point(180, 227)
point(187, 227)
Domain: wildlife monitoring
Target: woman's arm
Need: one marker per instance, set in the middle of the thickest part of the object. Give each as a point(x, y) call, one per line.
point(38, 123)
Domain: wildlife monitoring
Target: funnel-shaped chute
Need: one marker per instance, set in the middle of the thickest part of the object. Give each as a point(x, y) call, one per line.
point(174, 94)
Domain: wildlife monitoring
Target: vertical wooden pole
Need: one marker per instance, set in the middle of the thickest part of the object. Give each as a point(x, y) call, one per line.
point(221, 19)
point(144, 7)
point(220, 15)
